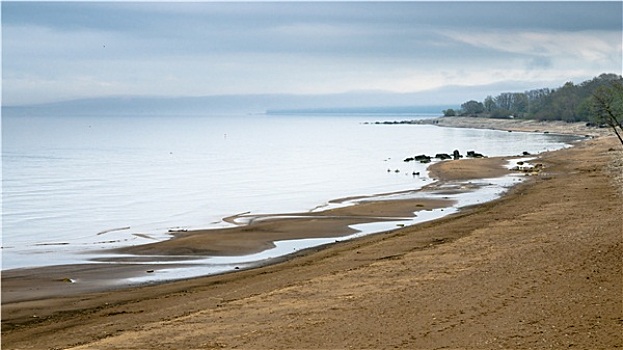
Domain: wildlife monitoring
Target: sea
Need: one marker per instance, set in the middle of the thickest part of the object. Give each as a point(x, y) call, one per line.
point(74, 185)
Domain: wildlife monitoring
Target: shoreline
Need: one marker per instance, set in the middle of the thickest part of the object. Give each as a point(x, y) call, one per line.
point(182, 257)
point(381, 169)
point(135, 266)
point(384, 258)
point(189, 249)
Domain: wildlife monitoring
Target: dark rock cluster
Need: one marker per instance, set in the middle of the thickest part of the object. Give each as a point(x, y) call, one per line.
point(422, 158)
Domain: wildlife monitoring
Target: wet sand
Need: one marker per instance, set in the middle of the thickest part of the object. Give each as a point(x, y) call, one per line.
point(115, 269)
point(469, 169)
point(261, 232)
point(540, 267)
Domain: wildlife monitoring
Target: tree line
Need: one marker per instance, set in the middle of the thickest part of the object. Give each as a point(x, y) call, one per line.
point(570, 102)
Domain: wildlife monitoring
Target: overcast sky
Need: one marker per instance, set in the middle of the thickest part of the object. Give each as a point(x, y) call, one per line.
point(57, 51)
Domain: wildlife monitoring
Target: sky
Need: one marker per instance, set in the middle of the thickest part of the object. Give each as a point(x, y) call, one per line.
point(56, 51)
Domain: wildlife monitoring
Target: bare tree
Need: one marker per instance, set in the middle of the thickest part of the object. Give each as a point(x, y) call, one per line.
point(608, 107)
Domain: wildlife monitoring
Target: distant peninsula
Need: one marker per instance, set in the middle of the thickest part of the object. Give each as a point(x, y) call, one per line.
point(390, 110)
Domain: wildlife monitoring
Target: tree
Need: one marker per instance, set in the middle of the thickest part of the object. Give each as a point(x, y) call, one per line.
point(501, 113)
point(520, 104)
point(569, 102)
point(472, 108)
point(608, 107)
point(537, 100)
point(449, 112)
point(489, 104)
point(504, 101)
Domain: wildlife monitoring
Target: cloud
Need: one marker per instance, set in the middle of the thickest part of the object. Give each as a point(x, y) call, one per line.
point(539, 63)
point(59, 50)
point(585, 45)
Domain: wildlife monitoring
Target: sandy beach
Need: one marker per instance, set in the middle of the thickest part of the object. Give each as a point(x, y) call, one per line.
point(541, 267)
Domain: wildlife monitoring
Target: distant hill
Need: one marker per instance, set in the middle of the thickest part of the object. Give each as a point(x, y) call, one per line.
point(430, 101)
point(358, 102)
point(362, 102)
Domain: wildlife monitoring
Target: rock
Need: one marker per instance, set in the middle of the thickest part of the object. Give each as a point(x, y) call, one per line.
point(456, 155)
point(473, 154)
point(422, 158)
point(179, 230)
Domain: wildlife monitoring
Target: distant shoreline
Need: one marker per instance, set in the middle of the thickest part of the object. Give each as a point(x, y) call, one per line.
point(519, 125)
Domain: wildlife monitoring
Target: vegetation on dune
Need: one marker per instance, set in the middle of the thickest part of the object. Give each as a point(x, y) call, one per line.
point(570, 102)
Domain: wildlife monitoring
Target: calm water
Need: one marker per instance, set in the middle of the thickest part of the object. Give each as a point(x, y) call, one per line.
point(79, 184)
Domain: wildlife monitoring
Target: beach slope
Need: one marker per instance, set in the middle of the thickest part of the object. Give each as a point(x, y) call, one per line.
point(539, 268)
